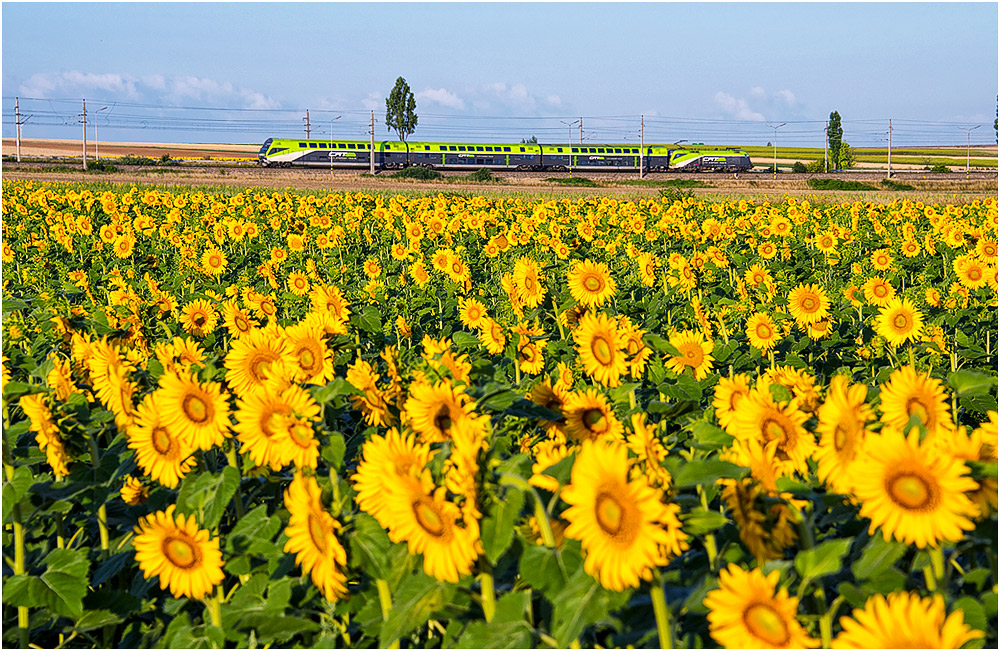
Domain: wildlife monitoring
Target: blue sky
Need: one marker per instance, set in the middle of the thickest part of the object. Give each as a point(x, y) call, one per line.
point(707, 72)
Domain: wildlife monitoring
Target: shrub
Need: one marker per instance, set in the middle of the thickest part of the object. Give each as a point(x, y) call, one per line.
point(837, 184)
point(419, 173)
point(799, 167)
point(816, 166)
point(483, 175)
point(131, 159)
point(940, 168)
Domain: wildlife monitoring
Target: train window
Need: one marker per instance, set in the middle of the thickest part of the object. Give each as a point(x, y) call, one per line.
point(461, 148)
point(600, 150)
point(480, 149)
point(313, 145)
point(560, 150)
point(341, 146)
point(506, 148)
point(451, 148)
point(302, 145)
point(489, 149)
point(618, 151)
point(592, 150)
point(522, 148)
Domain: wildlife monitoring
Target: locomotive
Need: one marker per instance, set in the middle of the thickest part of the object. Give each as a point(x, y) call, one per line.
point(618, 157)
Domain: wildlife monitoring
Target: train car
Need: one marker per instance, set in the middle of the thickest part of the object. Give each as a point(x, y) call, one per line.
point(715, 160)
point(289, 152)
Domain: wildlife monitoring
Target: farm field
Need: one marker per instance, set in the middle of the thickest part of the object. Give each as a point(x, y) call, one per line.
point(456, 417)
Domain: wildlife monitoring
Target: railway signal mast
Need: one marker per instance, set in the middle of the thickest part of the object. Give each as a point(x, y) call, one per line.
point(776, 127)
point(17, 123)
point(968, 146)
point(569, 140)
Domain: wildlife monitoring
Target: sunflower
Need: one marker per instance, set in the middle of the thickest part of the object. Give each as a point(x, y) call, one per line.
point(637, 353)
point(878, 292)
point(187, 560)
point(912, 490)
point(843, 424)
point(372, 268)
point(972, 273)
point(729, 393)
point(372, 402)
point(908, 394)
point(762, 332)
point(198, 413)
point(695, 353)
point(298, 283)
point(760, 417)
point(589, 416)
point(47, 433)
point(600, 347)
point(974, 446)
point(255, 357)
point(748, 611)
point(433, 526)
point(385, 459)
point(133, 492)
point(213, 262)
point(312, 537)
point(904, 620)
point(199, 318)
point(314, 362)
point(590, 283)
point(881, 259)
point(434, 409)
point(529, 355)
point(492, 336)
point(162, 455)
point(263, 421)
point(237, 321)
point(526, 279)
point(619, 523)
point(899, 321)
point(471, 312)
point(649, 451)
point(808, 304)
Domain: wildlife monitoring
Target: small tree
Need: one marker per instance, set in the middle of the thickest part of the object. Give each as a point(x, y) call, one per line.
point(400, 113)
point(835, 135)
point(846, 159)
point(530, 141)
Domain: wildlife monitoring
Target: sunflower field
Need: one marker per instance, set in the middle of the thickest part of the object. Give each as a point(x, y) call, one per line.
point(257, 418)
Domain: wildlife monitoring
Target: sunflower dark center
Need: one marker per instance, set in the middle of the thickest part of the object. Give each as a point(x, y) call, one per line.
point(912, 491)
point(594, 420)
point(901, 322)
point(429, 518)
point(161, 440)
point(442, 419)
point(196, 409)
point(593, 283)
point(767, 624)
point(317, 532)
point(181, 552)
point(610, 513)
point(601, 348)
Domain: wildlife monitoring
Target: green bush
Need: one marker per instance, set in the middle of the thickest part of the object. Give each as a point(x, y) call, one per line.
point(419, 173)
point(483, 175)
point(799, 167)
point(940, 168)
point(131, 159)
point(100, 166)
point(816, 167)
point(894, 185)
point(837, 184)
point(573, 180)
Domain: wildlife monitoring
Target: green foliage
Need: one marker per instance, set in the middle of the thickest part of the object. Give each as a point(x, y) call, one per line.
point(940, 168)
point(132, 159)
point(837, 184)
point(895, 185)
point(529, 141)
point(483, 175)
point(845, 157)
point(419, 173)
point(573, 180)
point(816, 167)
point(834, 137)
point(401, 112)
point(799, 167)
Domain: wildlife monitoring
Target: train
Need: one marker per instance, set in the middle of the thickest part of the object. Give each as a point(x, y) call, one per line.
point(611, 157)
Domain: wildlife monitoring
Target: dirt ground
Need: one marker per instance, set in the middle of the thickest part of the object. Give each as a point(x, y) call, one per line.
point(928, 187)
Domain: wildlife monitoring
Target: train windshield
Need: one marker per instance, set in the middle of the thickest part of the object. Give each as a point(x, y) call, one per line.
point(263, 149)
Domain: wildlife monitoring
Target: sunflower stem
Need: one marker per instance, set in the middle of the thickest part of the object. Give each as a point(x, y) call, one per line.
point(661, 612)
point(937, 565)
point(214, 607)
point(385, 601)
point(486, 590)
point(102, 510)
point(540, 515)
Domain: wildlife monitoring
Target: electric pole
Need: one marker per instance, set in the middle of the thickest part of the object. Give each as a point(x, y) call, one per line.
point(17, 123)
point(306, 118)
point(371, 157)
point(968, 145)
point(826, 148)
point(776, 127)
point(581, 131)
point(642, 146)
point(84, 135)
point(888, 171)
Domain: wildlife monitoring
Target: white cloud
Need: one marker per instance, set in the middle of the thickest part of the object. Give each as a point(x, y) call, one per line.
point(373, 102)
point(153, 88)
point(737, 108)
point(788, 96)
point(442, 97)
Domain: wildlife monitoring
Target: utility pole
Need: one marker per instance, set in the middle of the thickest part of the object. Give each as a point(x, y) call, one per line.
point(569, 141)
point(968, 146)
point(826, 148)
point(776, 127)
point(17, 123)
point(371, 156)
point(642, 146)
point(84, 135)
point(307, 124)
point(888, 170)
point(581, 131)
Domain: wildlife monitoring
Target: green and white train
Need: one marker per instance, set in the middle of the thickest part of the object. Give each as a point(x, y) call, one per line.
point(290, 152)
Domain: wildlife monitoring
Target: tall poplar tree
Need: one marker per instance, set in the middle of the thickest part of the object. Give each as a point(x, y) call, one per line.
point(835, 135)
point(400, 113)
